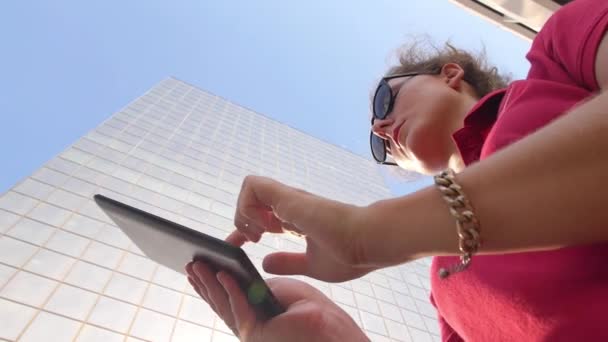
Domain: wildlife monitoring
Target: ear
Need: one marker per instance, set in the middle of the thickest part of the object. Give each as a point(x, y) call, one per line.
point(452, 74)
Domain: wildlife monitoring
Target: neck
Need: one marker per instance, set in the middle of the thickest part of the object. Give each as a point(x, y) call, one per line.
point(456, 163)
point(469, 100)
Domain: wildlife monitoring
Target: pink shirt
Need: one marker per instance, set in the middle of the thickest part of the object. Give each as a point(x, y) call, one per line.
point(559, 295)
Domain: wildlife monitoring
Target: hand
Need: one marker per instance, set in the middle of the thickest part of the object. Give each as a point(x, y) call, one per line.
point(309, 315)
point(334, 231)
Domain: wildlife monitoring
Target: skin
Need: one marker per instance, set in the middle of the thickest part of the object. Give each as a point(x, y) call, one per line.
point(309, 313)
point(352, 241)
point(427, 110)
point(328, 254)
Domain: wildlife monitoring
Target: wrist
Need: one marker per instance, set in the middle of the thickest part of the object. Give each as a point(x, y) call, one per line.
point(406, 228)
point(341, 327)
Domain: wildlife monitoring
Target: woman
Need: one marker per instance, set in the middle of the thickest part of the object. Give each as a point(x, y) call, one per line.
point(531, 160)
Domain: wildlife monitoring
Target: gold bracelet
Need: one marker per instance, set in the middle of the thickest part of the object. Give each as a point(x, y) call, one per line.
point(467, 224)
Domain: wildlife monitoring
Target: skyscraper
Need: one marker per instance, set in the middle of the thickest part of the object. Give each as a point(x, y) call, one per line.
point(68, 274)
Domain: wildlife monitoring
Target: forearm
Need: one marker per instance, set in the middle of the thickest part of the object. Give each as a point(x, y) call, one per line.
point(542, 192)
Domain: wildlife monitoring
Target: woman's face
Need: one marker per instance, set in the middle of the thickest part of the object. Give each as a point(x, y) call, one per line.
point(427, 110)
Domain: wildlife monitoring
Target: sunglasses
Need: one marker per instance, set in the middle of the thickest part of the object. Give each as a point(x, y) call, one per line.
point(382, 105)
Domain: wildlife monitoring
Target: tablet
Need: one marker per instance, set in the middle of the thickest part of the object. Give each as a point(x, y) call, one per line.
point(173, 245)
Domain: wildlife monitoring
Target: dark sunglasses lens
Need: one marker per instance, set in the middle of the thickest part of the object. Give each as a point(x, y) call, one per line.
point(378, 148)
point(382, 100)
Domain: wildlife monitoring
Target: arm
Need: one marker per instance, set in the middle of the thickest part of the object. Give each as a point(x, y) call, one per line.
point(543, 192)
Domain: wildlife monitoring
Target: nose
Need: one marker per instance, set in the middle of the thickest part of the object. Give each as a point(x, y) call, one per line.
point(382, 127)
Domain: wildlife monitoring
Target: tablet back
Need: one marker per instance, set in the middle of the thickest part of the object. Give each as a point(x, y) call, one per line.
point(168, 243)
point(173, 245)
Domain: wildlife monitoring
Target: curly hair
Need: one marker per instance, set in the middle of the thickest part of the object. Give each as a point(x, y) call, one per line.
point(423, 56)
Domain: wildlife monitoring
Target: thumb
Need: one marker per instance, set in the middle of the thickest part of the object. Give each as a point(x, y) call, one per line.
point(284, 263)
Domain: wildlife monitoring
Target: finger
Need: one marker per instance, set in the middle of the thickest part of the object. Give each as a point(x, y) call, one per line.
point(197, 285)
point(255, 231)
point(236, 238)
point(188, 268)
point(257, 198)
point(248, 228)
point(192, 279)
point(200, 292)
point(244, 315)
point(284, 263)
point(289, 291)
point(291, 228)
point(273, 223)
point(215, 292)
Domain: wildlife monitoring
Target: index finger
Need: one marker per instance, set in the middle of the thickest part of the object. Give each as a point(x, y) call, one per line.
point(255, 206)
point(236, 238)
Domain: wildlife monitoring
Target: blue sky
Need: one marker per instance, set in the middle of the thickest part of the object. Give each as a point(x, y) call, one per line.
point(67, 65)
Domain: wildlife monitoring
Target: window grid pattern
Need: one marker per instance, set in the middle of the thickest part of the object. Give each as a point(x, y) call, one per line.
point(67, 273)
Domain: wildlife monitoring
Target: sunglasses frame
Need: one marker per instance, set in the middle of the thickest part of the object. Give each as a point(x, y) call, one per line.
point(372, 136)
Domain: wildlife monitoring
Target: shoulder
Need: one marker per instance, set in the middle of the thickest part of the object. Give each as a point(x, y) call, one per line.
point(566, 49)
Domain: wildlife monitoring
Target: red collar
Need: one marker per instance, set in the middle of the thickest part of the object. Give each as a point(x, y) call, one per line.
point(477, 125)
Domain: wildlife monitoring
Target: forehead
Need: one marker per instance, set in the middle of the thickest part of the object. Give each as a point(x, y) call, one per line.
point(397, 83)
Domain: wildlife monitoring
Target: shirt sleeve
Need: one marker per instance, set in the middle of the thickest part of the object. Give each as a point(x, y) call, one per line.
point(566, 47)
point(447, 332)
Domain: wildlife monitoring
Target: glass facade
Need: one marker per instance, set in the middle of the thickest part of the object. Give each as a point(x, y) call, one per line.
point(68, 274)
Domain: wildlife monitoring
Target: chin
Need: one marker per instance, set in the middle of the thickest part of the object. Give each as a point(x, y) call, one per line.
point(429, 157)
point(422, 167)
point(430, 170)
point(430, 164)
